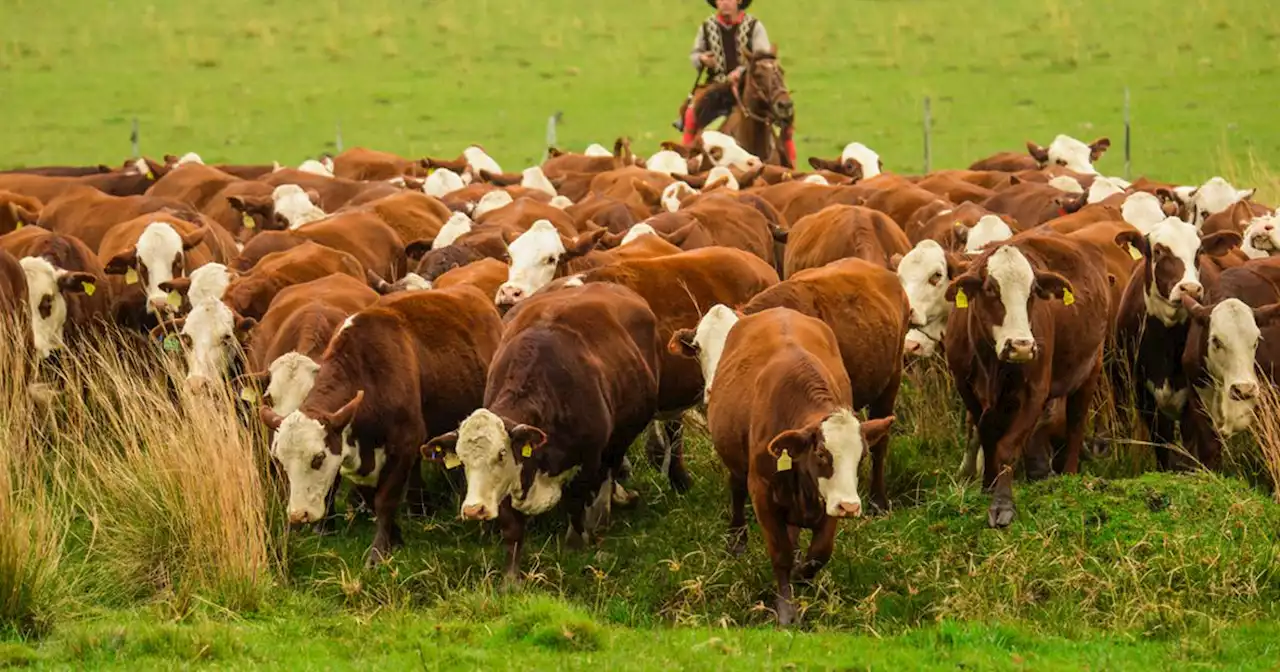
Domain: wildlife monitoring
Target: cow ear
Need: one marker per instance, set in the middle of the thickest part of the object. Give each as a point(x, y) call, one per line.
point(1097, 148)
point(1134, 240)
point(875, 430)
point(1198, 312)
point(961, 232)
point(378, 284)
point(969, 283)
point(194, 238)
point(956, 265)
point(583, 244)
point(1266, 315)
point(823, 164)
point(244, 325)
point(647, 193)
point(527, 435)
point(682, 343)
point(270, 418)
point(1037, 152)
point(121, 263)
point(1050, 285)
point(895, 261)
point(436, 449)
point(314, 196)
point(1246, 194)
point(179, 285)
point(1218, 244)
point(74, 283)
point(1014, 180)
point(237, 203)
point(794, 441)
point(339, 420)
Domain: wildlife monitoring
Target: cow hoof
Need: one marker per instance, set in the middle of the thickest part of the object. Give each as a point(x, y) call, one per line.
point(376, 556)
point(1001, 513)
point(804, 573)
point(878, 508)
point(624, 498)
point(786, 613)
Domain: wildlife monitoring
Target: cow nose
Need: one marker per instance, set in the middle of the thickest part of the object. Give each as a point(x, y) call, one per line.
point(298, 518)
point(509, 295)
point(850, 509)
point(913, 348)
point(1244, 391)
point(1020, 349)
point(1192, 289)
point(474, 512)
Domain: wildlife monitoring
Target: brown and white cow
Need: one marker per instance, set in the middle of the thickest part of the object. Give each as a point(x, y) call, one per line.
point(1031, 203)
point(781, 418)
point(193, 184)
point(132, 179)
point(89, 214)
point(17, 211)
point(148, 251)
point(925, 273)
point(574, 382)
point(359, 163)
point(1029, 328)
point(839, 232)
point(1262, 237)
point(1067, 152)
point(67, 288)
point(407, 367)
point(250, 294)
point(13, 284)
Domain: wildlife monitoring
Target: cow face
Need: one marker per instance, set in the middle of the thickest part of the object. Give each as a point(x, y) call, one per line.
point(1229, 349)
point(1003, 300)
point(458, 224)
point(209, 282)
point(706, 342)
point(925, 272)
point(535, 256)
point(292, 376)
point(1172, 252)
point(500, 459)
point(491, 201)
point(668, 162)
point(1213, 197)
point(988, 229)
point(1066, 183)
point(1069, 153)
point(478, 160)
point(828, 453)
point(636, 231)
point(868, 161)
point(256, 214)
point(725, 151)
point(1143, 211)
point(442, 182)
point(47, 289)
point(674, 193)
point(158, 257)
point(310, 452)
point(534, 178)
point(295, 207)
point(1261, 238)
point(213, 335)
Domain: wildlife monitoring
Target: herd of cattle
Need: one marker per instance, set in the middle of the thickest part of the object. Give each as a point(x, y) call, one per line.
point(529, 327)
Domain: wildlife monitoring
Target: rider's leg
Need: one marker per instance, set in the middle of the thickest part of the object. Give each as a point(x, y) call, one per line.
point(690, 126)
point(789, 143)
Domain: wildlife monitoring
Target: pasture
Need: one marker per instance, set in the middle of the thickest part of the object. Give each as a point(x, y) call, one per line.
point(136, 532)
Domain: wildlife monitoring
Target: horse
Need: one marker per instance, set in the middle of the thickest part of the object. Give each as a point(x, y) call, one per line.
point(763, 102)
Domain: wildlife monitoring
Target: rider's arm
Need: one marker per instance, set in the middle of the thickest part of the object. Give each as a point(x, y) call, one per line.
point(699, 48)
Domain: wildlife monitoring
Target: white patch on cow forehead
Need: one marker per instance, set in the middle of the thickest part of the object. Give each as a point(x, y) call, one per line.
point(442, 182)
point(842, 437)
point(1142, 211)
point(159, 241)
point(596, 149)
point(315, 168)
point(988, 229)
point(1215, 196)
point(480, 436)
point(1011, 269)
point(1180, 237)
point(720, 173)
point(412, 282)
point(1233, 320)
point(209, 326)
point(190, 157)
point(542, 237)
point(292, 203)
point(675, 192)
point(1067, 184)
point(868, 159)
point(817, 179)
point(1074, 154)
point(710, 335)
point(1106, 187)
point(491, 201)
point(293, 374)
point(458, 224)
point(299, 436)
point(636, 231)
point(669, 162)
point(534, 178)
point(210, 281)
point(480, 160)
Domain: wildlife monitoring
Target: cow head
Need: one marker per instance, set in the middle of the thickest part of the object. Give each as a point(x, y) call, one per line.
point(674, 193)
point(491, 201)
point(458, 224)
point(213, 336)
point(1210, 198)
point(257, 213)
point(158, 257)
point(1143, 211)
point(315, 167)
point(1171, 268)
point(1106, 187)
point(999, 291)
point(477, 160)
point(706, 342)
point(925, 272)
point(47, 287)
point(501, 459)
point(868, 163)
point(1262, 238)
point(295, 206)
point(536, 254)
point(988, 229)
point(827, 453)
point(209, 282)
point(668, 162)
point(1067, 184)
point(725, 151)
point(1070, 153)
point(1229, 345)
point(438, 262)
point(442, 182)
point(292, 375)
point(311, 448)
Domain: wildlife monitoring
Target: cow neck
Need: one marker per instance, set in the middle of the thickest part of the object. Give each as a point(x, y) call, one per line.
point(804, 397)
point(338, 380)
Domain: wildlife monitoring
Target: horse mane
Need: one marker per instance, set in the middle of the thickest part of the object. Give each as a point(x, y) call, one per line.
point(718, 101)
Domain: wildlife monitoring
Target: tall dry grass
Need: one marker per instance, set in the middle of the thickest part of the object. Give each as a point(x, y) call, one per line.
point(1266, 431)
point(167, 490)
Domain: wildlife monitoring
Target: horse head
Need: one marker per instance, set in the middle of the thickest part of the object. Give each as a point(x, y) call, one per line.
point(765, 91)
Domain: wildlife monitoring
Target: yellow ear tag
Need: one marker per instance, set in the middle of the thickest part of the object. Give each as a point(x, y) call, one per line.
point(18, 226)
point(962, 301)
point(1133, 252)
point(247, 221)
point(174, 299)
point(784, 461)
point(131, 277)
point(786, 177)
point(451, 461)
point(1067, 297)
point(89, 288)
point(150, 175)
point(527, 451)
point(249, 395)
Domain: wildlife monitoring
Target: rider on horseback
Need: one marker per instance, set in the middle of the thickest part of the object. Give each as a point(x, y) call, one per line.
point(721, 47)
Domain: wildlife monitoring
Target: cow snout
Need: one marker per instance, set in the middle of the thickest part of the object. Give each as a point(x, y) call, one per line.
point(475, 512)
point(509, 295)
point(1244, 391)
point(299, 518)
point(913, 348)
point(1019, 350)
point(1192, 289)
point(849, 509)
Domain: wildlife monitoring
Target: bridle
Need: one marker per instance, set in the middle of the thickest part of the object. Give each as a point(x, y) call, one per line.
point(767, 119)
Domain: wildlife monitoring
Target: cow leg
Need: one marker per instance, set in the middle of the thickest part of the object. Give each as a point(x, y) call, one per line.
point(1038, 454)
point(665, 448)
point(820, 549)
point(416, 494)
point(579, 491)
point(738, 519)
point(1201, 441)
point(969, 463)
point(597, 515)
point(1007, 450)
point(386, 504)
point(512, 523)
point(778, 542)
point(1077, 413)
point(882, 408)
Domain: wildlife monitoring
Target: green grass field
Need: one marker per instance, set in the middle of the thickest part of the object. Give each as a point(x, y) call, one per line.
point(1110, 570)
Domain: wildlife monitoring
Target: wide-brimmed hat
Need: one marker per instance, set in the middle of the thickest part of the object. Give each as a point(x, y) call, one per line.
point(743, 5)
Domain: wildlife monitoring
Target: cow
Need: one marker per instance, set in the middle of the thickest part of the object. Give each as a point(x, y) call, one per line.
point(900, 202)
point(133, 179)
point(1151, 323)
point(797, 199)
point(946, 224)
point(58, 171)
point(839, 232)
point(925, 273)
point(359, 163)
point(1261, 238)
point(573, 383)
point(1029, 328)
point(1008, 162)
point(193, 184)
point(1067, 152)
point(781, 419)
point(17, 211)
point(250, 294)
point(1236, 217)
point(488, 243)
point(330, 193)
point(867, 309)
point(740, 221)
point(536, 255)
point(1031, 204)
point(147, 251)
point(89, 214)
point(13, 284)
point(856, 160)
point(67, 289)
point(486, 275)
point(364, 236)
point(1214, 196)
point(408, 367)
point(988, 229)
point(413, 215)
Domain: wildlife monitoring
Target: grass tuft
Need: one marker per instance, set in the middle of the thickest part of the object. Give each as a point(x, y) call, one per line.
point(553, 624)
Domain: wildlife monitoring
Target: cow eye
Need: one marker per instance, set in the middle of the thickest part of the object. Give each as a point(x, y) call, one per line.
point(1062, 162)
point(317, 461)
point(502, 454)
point(935, 279)
point(1217, 343)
